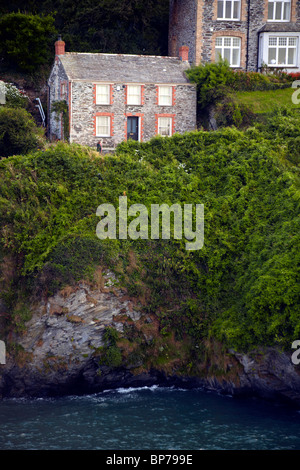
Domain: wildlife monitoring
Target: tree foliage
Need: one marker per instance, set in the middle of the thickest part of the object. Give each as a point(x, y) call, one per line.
point(134, 26)
point(26, 39)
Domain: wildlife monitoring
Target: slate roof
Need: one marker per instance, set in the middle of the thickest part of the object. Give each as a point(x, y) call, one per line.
point(124, 68)
point(280, 28)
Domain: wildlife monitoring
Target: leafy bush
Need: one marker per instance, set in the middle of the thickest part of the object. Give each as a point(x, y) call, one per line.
point(212, 80)
point(26, 40)
point(14, 98)
point(252, 81)
point(18, 132)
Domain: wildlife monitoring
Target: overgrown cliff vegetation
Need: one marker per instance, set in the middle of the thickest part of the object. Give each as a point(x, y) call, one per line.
point(241, 288)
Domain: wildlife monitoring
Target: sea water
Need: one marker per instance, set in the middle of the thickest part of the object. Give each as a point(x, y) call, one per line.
point(148, 418)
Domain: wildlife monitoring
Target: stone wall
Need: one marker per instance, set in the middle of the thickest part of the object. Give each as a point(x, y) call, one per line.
point(57, 78)
point(84, 111)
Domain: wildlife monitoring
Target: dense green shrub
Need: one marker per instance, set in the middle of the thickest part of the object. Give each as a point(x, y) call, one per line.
point(242, 287)
point(18, 132)
point(212, 81)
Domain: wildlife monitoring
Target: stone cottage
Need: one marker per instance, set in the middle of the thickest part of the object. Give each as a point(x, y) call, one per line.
point(116, 97)
point(248, 33)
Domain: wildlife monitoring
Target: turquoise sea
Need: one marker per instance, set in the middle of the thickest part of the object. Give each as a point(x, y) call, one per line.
point(148, 418)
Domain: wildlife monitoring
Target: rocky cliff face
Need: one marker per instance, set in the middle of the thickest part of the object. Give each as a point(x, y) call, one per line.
point(59, 353)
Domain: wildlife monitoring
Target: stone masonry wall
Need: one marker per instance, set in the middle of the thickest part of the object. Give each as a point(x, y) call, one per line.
point(84, 111)
point(182, 27)
point(57, 78)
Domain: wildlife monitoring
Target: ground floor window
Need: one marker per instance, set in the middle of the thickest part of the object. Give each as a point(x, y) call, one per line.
point(103, 126)
point(165, 126)
point(282, 51)
point(229, 48)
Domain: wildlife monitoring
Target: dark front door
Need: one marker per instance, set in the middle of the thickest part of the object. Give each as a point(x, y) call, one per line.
point(133, 128)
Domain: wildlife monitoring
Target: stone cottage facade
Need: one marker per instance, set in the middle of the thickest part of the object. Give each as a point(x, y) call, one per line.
point(116, 97)
point(248, 33)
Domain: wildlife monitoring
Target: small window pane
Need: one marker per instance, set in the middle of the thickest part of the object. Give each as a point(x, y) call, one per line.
point(281, 56)
point(228, 9)
point(235, 57)
point(278, 10)
point(236, 10)
point(227, 54)
point(291, 56)
point(220, 9)
point(286, 11)
point(272, 56)
point(218, 41)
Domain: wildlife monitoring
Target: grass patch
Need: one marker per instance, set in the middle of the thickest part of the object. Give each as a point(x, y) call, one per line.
point(266, 101)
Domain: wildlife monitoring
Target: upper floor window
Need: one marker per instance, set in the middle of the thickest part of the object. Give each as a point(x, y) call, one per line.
point(282, 51)
point(279, 11)
point(134, 94)
point(229, 48)
point(165, 97)
point(229, 9)
point(102, 94)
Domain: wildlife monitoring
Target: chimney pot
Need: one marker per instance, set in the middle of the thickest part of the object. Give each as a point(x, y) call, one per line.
point(184, 53)
point(59, 46)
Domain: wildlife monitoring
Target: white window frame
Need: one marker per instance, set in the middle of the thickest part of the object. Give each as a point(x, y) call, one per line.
point(102, 98)
point(279, 5)
point(134, 95)
point(231, 47)
point(104, 125)
point(224, 4)
point(165, 96)
point(279, 45)
point(264, 50)
point(169, 125)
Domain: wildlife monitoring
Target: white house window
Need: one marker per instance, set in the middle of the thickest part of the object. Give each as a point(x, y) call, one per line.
point(103, 126)
point(229, 9)
point(282, 51)
point(134, 94)
point(229, 48)
point(102, 94)
point(165, 126)
point(279, 11)
point(165, 96)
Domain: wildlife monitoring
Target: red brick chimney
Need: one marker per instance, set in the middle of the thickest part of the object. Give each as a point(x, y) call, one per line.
point(184, 53)
point(59, 47)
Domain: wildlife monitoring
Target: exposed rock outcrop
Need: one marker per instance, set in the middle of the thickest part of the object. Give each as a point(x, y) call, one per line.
point(59, 353)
